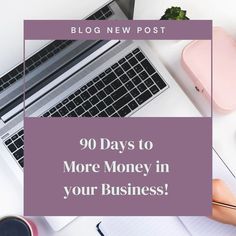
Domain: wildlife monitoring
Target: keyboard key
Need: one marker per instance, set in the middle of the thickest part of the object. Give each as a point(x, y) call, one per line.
point(78, 101)
point(56, 114)
point(71, 96)
point(136, 50)
point(94, 111)
point(59, 105)
point(134, 92)
point(129, 85)
point(158, 80)
point(85, 95)
point(13, 73)
point(133, 105)
point(124, 111)
point(84, 88)
point(19, 76)
point(114, 66)
point(99, 85)
point(101, 105)
point(18, 154)
point(12, 147)
point(115, 115)
point(110, 110)
point(65, 101)
point(12, 81)
point(149, 82)
point(148, 67)
point(142, 87)
point(108, 100)
point(21, 162)
point(107, 71)
point(98, 14)
point(6, 78)
point(126, 66)
point(116, 84)
point(109, 78)
point(94, 100)
point(102, 17)
point(122, 101)
point(143, 97)
point(78, 92)
point(119, 93)
point(131, 73)
point(154, 89)
point(136, 80)
point(63, 111)
point(86, 114)
point(46, 114)
point(90, 83)
point(39, 63)
point(102, 114)
point(119, 71)
point(91, 18)
point(6, 85)
point(7, 142)
point(138, 68)
point(143, 75)
point(70, 106)
point(140, 56)
point(92, 90)
point(72, 114)
point(105, 9)
point(87, 105)
point(18, 143)
point(52, 110)
point(101, 76)
point(108, 89)
point(20, 133)
point(108, 14)
point(124, 78)
point(128, 56)
point(14, 137)
point(121, 61)
point(133, 61)
point(79, 110)
point(101, 95)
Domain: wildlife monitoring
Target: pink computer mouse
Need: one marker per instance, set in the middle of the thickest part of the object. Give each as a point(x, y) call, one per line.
point(196, 60)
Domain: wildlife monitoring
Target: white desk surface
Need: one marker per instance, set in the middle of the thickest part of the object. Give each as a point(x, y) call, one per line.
point(222, 14)
point(11, 197)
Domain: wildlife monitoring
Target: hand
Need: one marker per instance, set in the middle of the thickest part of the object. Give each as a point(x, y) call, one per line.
point(221, 193)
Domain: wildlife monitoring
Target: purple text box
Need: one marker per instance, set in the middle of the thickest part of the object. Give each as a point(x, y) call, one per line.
point(174, 29)
point(184, 143)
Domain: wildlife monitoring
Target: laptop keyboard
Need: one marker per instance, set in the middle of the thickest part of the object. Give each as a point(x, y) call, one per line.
point(33, 62)
point(102, 14)
point(15, 145)
point(45, 54)
point(116, 92)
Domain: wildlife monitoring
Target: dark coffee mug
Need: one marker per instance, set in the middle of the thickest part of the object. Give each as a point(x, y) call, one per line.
point(17, 226)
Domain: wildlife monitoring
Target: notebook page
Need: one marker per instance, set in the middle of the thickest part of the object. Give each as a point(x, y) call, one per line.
point(203, 226)
point(140, 226)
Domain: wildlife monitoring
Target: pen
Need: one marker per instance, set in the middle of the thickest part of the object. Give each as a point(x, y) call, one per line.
point(229, 206)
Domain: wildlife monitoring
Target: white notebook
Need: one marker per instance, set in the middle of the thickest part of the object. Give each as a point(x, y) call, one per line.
point(204, 226)
point(174, 226)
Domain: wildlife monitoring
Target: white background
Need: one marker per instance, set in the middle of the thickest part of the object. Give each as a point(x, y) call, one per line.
point(11, 28)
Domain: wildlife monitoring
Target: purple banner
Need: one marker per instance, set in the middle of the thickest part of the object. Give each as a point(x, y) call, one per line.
point(117, 29)
point(79, 166)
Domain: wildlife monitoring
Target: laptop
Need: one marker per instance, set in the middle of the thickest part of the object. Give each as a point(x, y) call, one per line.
point(67, 78)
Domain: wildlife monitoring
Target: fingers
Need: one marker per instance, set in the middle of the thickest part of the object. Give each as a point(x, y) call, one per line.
point(222, 193)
